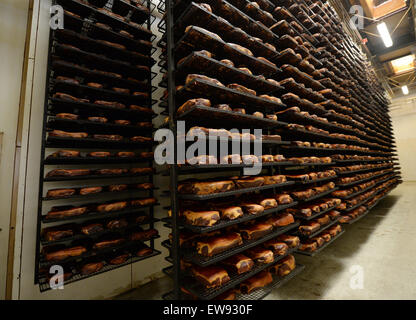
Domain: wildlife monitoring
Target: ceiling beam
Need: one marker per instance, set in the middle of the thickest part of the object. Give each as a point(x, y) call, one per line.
point(395, 57)
point(368, 22)
point(394, 76)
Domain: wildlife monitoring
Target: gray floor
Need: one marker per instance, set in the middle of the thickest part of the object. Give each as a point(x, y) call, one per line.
point(374, 259)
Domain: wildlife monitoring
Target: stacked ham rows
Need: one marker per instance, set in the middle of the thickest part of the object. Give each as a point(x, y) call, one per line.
point(288, 68)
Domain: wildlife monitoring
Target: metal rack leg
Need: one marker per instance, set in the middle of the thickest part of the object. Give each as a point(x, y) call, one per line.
point(172, 126)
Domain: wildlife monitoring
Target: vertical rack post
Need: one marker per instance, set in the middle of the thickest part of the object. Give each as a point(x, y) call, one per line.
point(151, 180)
point(42, 164)
point(172, 126)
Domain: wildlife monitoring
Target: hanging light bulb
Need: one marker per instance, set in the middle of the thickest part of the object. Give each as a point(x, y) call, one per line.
point(405, 90)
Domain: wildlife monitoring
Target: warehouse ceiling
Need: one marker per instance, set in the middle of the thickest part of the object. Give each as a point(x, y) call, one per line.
point(395, 64)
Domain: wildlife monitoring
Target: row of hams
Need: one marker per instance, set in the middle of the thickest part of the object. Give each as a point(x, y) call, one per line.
point(313, 244)
point(101, 119)
point(359, 187)
point(202, 102)
point(94, 265)
point(216, 242)
point(59, 253)
point(310, 227)
point(83, 191)
point(76, 154)
point(362, 176)
point(209, 213)
point(323, 145)
point(95, 4)
point(370, 198)
point(309, 209)
point(254, 159)
point(336, 135)
point(274, 116)
point(219, 274)
point(103, 171)
point(67, 211)
point(96, 85)
point(359, 167)
point(113, 104)
point(108, 137)
point(92, 228)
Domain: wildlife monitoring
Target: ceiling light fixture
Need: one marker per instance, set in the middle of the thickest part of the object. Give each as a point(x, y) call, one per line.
point(403, 64)
point(385, 35)
point(405, 90)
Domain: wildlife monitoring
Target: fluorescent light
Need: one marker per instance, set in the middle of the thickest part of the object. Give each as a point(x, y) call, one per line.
point(405, 90)
point(385, 35)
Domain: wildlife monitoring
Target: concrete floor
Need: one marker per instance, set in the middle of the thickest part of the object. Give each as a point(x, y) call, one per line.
point(374, 259)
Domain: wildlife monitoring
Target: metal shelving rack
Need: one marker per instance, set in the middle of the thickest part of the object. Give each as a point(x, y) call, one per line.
point(208, 294)
point(81, 29)
point(359, 121)
point(176, 172)
point(368, 107)
point(363, 115)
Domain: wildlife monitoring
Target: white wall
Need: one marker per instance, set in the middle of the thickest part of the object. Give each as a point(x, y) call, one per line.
point(13, 17)
point(403, 113)
point(98, 287)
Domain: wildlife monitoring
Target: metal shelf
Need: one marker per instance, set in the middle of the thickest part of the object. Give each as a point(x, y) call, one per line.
point(90, 143)
point(321, 248)
point(363, 180)
point(186, 169)
point(357, 218)
point(44, 285)
point(259, 293)
point(199, 62)
point(323, 228)
point(195, 15)
point(233, 192)
point(313, 216)
point(129, 191)
point(108, 127)
point(77, 237)
point(93, 160)
point(94, 177)
point(93, 215)
point(235, 279)
point(277, 282)
point(181, 14)
point(95, 253)
point(141, 15)
point(318, 196)
point(366, 189)
point(206, 88)
point(209, 115)
point(368, 208)
point(344, 173)
point(78, 52)
point(206, 261)
point(188, 44)
point(227, 223)
point(370, 160)
point(314, 181)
